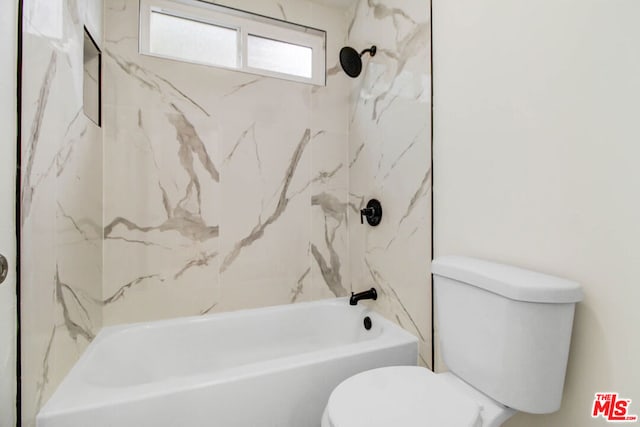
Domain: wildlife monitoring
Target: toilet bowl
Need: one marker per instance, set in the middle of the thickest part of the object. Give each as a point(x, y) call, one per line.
point(410, 396)
point(498, 324)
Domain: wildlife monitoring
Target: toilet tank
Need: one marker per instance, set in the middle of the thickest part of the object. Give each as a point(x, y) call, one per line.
point(505, 330)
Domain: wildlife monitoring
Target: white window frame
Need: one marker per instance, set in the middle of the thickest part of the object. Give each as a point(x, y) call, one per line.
point(246, 24)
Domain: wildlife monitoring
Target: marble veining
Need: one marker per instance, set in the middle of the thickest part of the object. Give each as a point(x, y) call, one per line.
point(190, 144)
point(43, 382)
point(120, 292)
point(184, 216)
point(283, 201)
point(239, 87)
point(28, 188)
point(76, 328)
point(423, 189)
point(297, 291)
point(150, 80)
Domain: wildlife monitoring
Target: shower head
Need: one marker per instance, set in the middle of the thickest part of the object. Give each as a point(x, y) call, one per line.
point(351, 60)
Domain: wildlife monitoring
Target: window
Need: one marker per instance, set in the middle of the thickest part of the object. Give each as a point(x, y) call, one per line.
point(204, 33)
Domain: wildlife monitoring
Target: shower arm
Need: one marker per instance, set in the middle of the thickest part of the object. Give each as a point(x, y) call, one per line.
point(372, 51)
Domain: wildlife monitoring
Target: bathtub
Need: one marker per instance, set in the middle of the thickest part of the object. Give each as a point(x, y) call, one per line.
point(267, 367)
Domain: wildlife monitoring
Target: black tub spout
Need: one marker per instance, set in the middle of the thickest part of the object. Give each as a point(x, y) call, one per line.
point(370, 294)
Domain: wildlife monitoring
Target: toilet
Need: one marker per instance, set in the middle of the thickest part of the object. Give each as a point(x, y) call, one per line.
point(504, 335)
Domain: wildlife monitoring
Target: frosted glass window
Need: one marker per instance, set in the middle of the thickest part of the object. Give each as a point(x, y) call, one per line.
point(194, 41)
point(280, 57)
point(210, 34)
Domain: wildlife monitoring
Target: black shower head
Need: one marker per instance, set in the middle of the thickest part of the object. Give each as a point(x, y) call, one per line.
point(351, 60)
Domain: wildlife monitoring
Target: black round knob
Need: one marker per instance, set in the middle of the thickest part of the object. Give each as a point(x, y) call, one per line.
point(373, 212)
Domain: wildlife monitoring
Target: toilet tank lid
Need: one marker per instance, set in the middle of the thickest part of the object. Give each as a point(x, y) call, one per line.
point(511, 282)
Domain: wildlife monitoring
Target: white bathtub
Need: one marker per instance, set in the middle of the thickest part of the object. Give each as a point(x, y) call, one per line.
point(268, 367)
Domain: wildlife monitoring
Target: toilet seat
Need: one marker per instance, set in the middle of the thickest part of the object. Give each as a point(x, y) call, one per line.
point(406, 396)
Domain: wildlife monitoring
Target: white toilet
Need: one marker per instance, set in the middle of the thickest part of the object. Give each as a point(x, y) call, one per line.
point(504, 335)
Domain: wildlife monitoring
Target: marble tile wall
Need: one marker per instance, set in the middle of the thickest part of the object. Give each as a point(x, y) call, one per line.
point(61, 198)
point(223, 190)
point(226, 190)
point(389, 159)
point(215, 190)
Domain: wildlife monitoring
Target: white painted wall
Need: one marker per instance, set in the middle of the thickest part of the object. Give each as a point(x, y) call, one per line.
point(8, 34)
point(537, 151)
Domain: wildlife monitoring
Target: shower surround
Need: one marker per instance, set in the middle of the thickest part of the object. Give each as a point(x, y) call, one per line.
point(208, 190)
point(226, 190)
point(223, 190)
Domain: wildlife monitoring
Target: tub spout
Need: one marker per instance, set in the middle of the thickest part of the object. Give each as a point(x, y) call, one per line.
point(370, 294)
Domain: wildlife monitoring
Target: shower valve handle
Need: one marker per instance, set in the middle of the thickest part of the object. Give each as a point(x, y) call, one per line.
point(366, 212)
point(373, 213)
